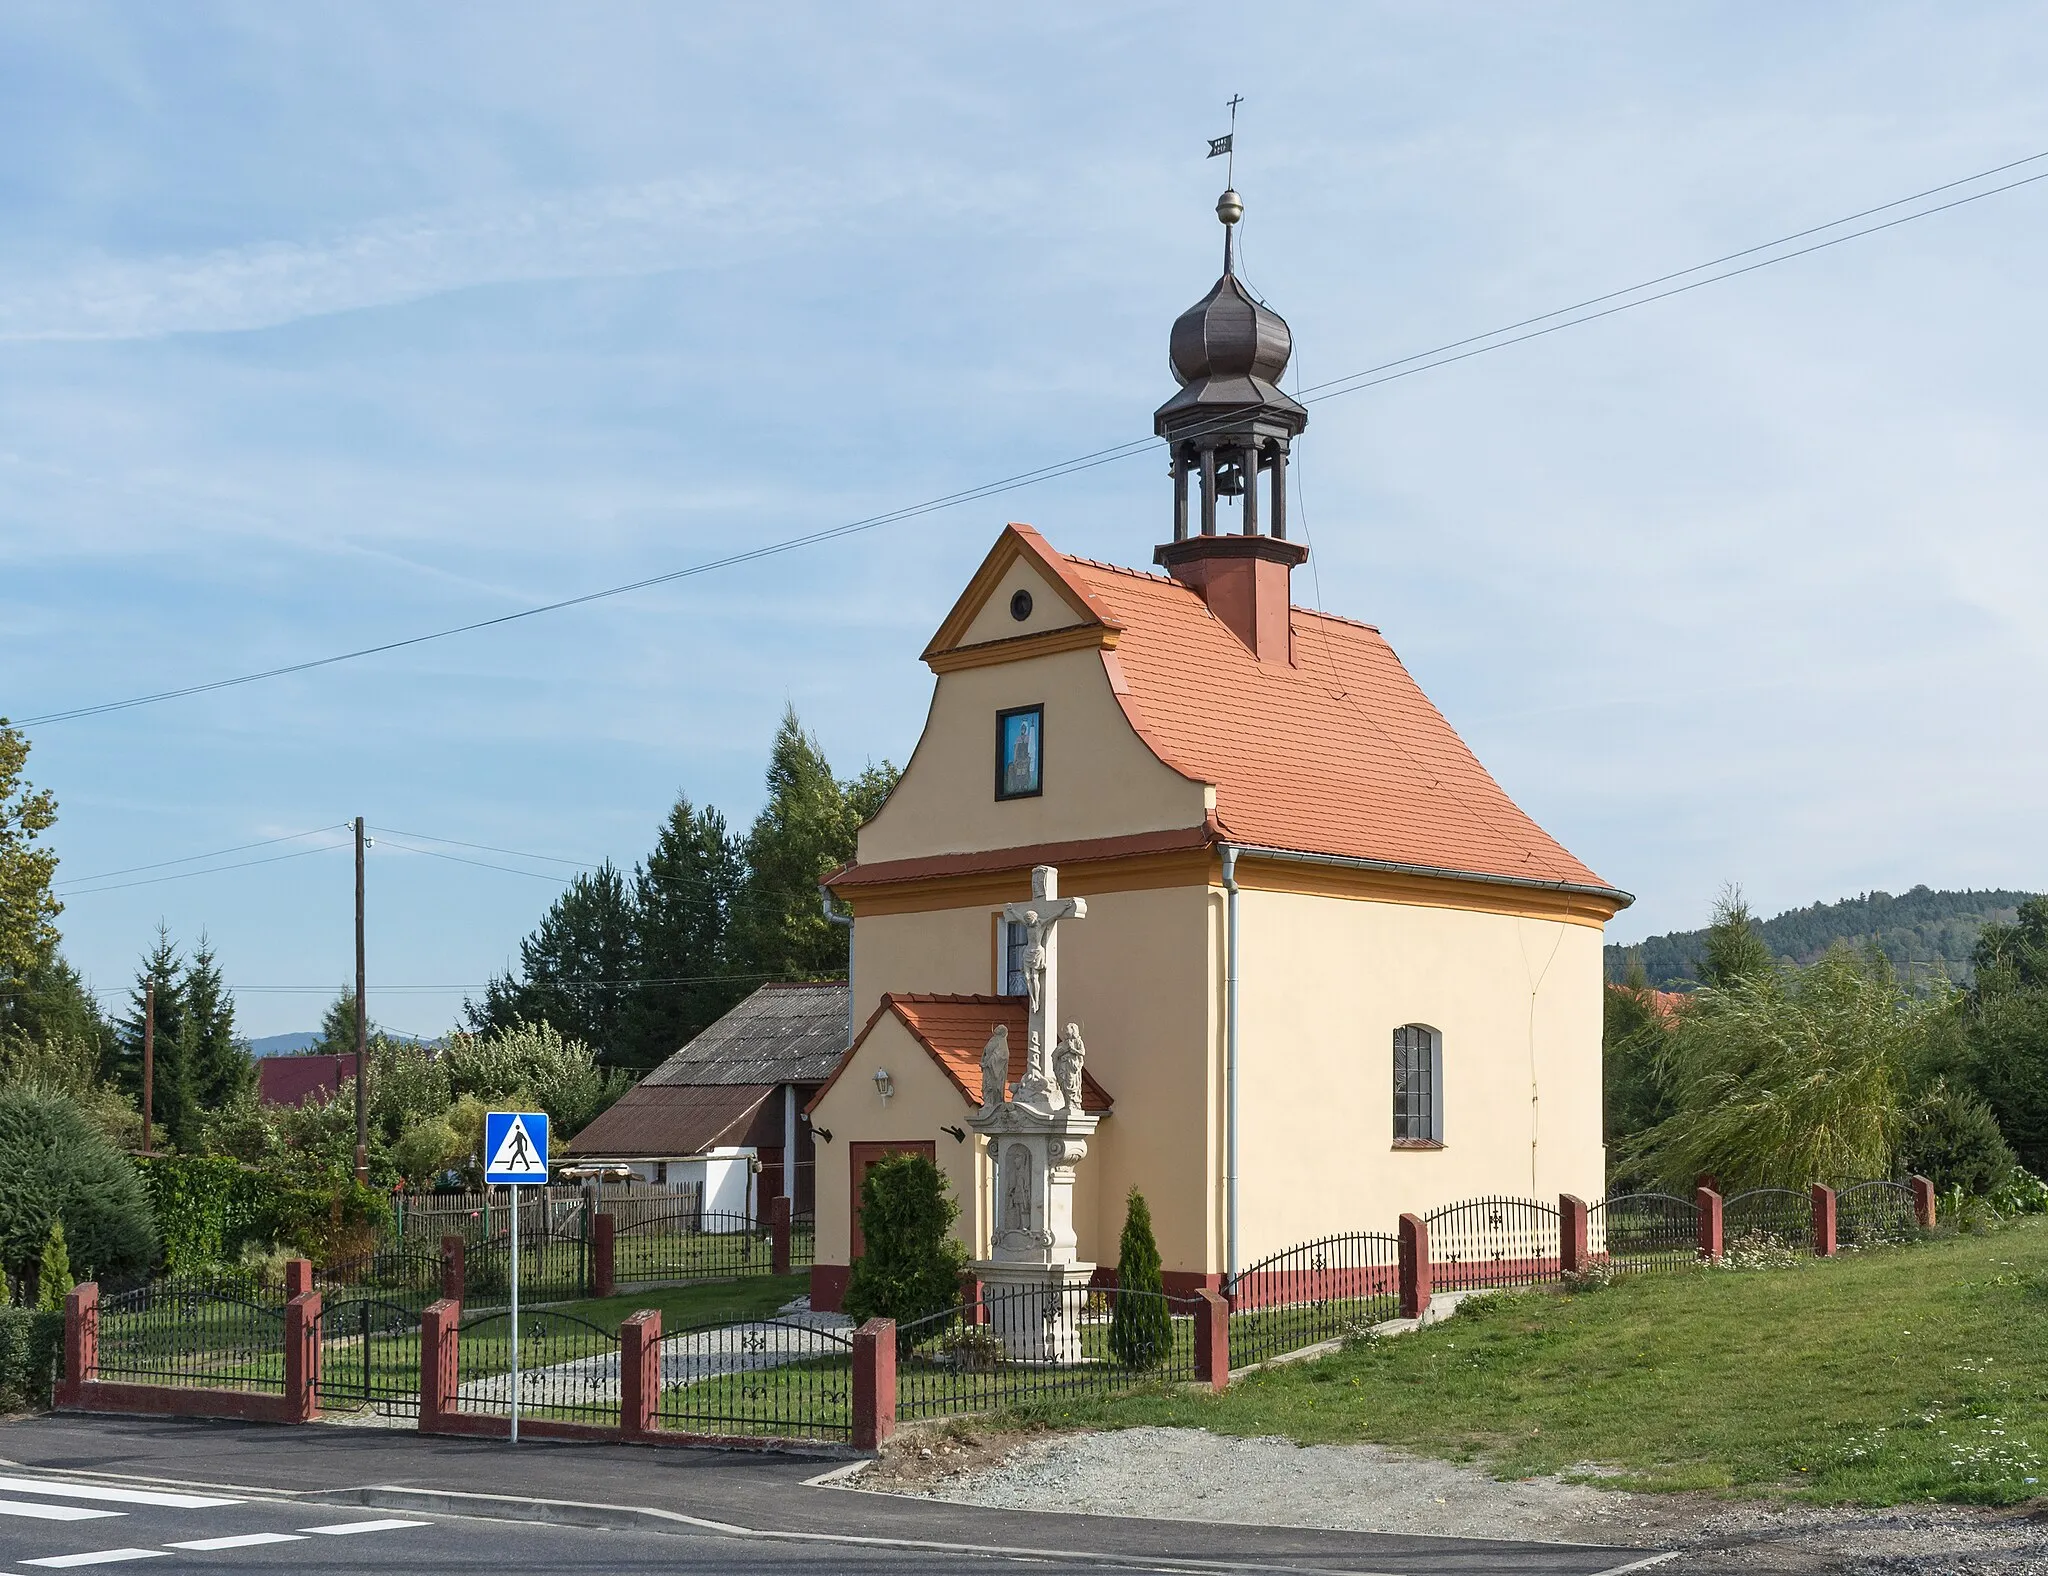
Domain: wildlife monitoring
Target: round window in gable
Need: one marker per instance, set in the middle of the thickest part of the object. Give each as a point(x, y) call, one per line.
point(1020, 606)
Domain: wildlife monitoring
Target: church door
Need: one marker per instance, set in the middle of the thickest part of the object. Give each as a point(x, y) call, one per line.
point(864, 1157)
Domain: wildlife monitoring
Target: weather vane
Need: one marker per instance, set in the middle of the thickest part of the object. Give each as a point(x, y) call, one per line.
point(1225, 145)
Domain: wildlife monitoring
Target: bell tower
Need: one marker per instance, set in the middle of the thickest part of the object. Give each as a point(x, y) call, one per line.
point(1229, 429)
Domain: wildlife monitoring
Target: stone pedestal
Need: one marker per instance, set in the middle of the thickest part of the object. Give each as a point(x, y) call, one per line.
point(1034, 1309)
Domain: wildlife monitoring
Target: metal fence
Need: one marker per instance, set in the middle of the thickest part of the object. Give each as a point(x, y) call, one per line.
point(770, 1378)
point(1644, 1231)
point(1318, 1291)
point(551, 1269)
point(691, 1244)
point(1017, 1348)
point(568, 1367)
point(1870, 1213)
point(1490, 1242)
point(370, 1357)
point(390, 1275)
point(221, 1334)
point(1772, 1214)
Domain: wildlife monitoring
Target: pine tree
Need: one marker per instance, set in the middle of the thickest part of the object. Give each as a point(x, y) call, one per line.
point(53, 1272)
point(1140, 1328)
point(217, 1067)
point(1736, 950)
point(682, 902)
point(576, 971)
point(338, 1027)
point(169, 1099)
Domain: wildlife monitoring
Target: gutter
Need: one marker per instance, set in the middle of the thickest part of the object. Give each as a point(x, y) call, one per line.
point(1230, 852)
point(834, 917)
point(1437, 872)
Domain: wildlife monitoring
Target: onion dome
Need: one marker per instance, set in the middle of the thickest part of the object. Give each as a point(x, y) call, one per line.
point(1228, 351)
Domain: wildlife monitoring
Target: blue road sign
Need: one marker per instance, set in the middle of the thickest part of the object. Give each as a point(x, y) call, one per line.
point(517, 1144)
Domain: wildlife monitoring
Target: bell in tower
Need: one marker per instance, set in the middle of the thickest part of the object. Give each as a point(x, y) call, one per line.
point(1228, 429)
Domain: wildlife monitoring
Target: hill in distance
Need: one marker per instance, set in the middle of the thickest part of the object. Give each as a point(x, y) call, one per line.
point(1919, 931)
point(306, 1039)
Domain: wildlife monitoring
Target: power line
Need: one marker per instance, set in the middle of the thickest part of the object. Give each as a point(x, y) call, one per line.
point(580, 984)
point(481, 864)
point(456, 842)
point(1370, 377)
point(190, 859)
point(213, 871)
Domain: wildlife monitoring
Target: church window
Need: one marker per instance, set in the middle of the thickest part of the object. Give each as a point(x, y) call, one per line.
point(1020, 752)
point(1016, 938)
point(1020, 606)
point(1418, 1082)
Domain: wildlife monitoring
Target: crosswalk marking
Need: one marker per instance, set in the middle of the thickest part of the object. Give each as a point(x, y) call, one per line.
point(97, 1557)
point(21, 1507)
point(246, 1540)
point(343, 1528)
point(57, 1488)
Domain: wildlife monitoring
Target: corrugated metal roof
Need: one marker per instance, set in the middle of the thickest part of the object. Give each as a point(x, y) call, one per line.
point(780, 1034)
point(672, 1123)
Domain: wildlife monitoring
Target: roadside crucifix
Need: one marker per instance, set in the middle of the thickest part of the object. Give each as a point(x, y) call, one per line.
point(1040, 918)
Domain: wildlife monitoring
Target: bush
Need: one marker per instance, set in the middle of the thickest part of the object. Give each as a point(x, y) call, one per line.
point(53, 1275)
point(30, 1344)
point(1952, 1139)
point(1140, 1328)
point(56, 1165)
point(215, 1209)
point(911, 1269)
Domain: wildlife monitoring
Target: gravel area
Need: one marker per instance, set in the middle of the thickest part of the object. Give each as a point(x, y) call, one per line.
point(1190, 1475)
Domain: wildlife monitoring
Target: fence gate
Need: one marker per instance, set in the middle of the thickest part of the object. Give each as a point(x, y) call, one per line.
point(370, 1357)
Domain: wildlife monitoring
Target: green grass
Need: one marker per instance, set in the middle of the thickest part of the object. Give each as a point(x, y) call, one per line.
point(717, 1302)
point(1904, 1374)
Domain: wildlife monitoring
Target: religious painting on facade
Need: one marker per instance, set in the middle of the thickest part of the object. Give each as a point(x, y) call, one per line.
point(1020, 753)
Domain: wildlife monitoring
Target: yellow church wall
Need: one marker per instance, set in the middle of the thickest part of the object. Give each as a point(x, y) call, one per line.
point(1325, 981)
point(1136, 975)
point(994, 621)
point(1100, 779)
point(925, 1101)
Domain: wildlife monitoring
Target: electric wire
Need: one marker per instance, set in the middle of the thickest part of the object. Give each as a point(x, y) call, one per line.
point(1370, 377)
point(488, 848)
point(214, 870)
point(190, 859)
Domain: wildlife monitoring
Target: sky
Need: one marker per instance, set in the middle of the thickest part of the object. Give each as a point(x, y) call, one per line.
point(327, 325)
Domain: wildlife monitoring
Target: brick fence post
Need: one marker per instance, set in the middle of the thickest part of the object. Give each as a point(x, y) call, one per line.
point(451, 1268)
point(1923, 1203)
point(439, 1333)
point(1574, 1235)
point(1823, 1221)
point(640, 1374)
point(778, 1236)
point(81, 1341)
point(874, 1383)
point(604, 1241)
point(302, 1351)
point(298, 1277)
point(1415, 1279)
point(1709, 1203)
point(1212, 1340)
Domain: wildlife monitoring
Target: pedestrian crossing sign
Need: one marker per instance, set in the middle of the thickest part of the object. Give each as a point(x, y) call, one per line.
point(516, 1143)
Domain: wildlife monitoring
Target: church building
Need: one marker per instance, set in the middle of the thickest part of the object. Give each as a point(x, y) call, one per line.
point(1327, 972)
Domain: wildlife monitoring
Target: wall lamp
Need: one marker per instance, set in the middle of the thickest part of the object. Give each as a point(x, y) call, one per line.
point(884, 1084)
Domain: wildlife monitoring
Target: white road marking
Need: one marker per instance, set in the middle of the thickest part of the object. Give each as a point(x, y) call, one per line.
point(21, 1507)
point(97, 1557)
point(342, 1528)
point(245, 1540)
point(58, 1489)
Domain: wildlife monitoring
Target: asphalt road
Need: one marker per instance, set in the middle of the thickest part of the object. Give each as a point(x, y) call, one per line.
point(79, 1492)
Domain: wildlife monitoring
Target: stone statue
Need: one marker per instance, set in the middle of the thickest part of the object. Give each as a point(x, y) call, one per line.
point(1041, 918)
point(1067, 1058)
point(995, 1066)
point(1017, 1189)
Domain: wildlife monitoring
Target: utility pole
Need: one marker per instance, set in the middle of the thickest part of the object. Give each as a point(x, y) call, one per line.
point(362, 1027)
point(148, 1058)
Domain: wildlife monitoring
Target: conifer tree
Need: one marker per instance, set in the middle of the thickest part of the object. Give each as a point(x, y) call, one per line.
point(683, 900)
point(53, 1273)
point(217, 1067)
point(1140, 1328)
point(1736, 949)
point(577, 971)
point(169, 1089)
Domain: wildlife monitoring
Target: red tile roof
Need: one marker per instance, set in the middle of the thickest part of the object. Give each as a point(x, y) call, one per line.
point(293, 1080)
point(953, 1029)
point(1339, 753)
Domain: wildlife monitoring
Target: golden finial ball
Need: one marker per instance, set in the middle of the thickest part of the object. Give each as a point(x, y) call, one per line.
point(1230, 207)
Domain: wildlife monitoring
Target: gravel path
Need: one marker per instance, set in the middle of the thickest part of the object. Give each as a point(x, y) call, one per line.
point(1192, 1475)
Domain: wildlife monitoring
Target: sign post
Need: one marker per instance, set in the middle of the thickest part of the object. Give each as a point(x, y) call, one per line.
point(517, 1144)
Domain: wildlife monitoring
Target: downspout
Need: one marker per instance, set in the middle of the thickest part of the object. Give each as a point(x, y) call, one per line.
point(1230, 1062)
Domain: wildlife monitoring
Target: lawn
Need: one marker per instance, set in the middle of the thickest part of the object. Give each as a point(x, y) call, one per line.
point(716, 1302)
point(1911, 1373)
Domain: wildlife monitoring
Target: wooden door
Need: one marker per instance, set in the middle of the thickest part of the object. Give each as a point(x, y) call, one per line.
point(863, 1158)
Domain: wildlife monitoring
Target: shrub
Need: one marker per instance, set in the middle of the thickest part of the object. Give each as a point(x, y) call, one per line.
point(1952, 1139)
point(911, 1267)
point(215, 1209)
point(53, 1275)
point(30, 1343)
point(2021, 1193)
point(1140, 1329)
point(56, 1165)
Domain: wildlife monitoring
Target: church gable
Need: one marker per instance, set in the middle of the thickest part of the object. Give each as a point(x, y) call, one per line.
point(1023, 601)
